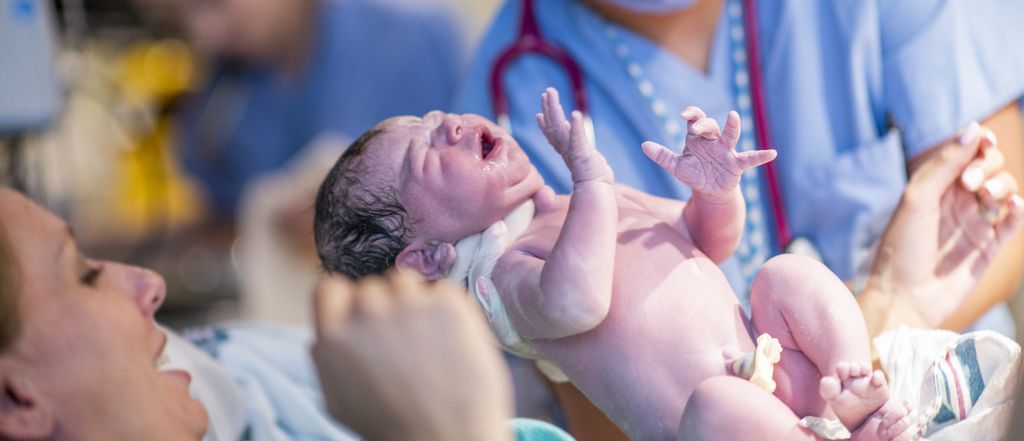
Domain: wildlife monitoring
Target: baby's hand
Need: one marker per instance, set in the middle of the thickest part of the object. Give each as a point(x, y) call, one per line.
point(709, 163)
point(570, 140)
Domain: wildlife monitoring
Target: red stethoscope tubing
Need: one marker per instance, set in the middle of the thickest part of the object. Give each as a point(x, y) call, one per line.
point(530, 40)
point(764, 140)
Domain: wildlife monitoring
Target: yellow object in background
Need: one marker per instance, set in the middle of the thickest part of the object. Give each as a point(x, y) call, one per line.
point(149, 190)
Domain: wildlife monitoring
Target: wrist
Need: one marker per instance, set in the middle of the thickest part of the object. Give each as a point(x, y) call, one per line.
point(727, 198)
point(592, 184)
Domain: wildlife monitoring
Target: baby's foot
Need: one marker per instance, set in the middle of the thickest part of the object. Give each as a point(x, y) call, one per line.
point(891, 422)
point(854, 393)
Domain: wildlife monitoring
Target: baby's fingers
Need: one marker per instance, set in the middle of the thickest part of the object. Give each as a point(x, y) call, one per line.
point(552, 108)
point(754, 158)
point(661, 155)
point(578, 133)
point(731, 134)
point(706, 128)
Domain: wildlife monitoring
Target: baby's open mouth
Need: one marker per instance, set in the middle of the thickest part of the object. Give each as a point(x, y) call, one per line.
point(487, 143)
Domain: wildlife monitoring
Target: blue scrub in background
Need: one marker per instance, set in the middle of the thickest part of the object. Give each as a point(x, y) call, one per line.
point(853, 89)
point(370, 60)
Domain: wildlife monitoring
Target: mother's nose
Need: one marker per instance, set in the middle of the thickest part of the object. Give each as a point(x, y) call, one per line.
point(148, 290)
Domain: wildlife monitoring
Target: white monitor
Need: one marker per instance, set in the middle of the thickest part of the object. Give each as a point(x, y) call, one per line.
point(30, 91)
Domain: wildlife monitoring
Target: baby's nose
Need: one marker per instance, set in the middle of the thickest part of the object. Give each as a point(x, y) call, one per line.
point(453, 128)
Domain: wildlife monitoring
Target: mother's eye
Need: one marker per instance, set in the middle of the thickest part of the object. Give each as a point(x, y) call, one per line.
point(92, 275)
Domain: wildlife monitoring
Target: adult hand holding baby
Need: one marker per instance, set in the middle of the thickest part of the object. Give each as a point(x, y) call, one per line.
point(401, 360)
point(949, 225)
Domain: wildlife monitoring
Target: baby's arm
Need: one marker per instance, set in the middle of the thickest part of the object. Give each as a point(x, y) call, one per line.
point(710, 165)
point(571, 290)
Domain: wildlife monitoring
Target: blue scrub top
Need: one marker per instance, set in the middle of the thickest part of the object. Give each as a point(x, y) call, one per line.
point(852, 89)
point(371, 60)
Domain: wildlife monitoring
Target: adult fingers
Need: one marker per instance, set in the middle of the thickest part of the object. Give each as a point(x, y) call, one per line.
point(990, 162)
point(1013, 220)
point(332, 303)
point(372, 297)
point(407, 286)
point(998, 188)
point(943, 167)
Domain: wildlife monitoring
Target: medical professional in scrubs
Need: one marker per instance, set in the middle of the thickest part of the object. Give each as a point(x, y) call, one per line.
point(857, 93)
point(287, 71)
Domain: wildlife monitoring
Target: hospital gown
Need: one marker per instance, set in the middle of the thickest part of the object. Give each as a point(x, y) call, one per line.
point(852, 89)
point(371, 60)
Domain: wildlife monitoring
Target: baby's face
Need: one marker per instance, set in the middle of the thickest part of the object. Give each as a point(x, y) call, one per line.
point(456, 174)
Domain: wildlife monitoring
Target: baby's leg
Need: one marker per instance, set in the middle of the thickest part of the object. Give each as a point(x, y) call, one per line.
point(819, 325)
point(728, 408)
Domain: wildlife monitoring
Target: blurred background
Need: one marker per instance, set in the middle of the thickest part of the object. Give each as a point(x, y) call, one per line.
point(138, 121)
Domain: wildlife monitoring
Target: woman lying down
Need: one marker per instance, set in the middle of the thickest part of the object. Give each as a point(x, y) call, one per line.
point(81, 358)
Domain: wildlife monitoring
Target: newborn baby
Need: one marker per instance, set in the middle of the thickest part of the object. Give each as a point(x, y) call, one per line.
point(618, 288)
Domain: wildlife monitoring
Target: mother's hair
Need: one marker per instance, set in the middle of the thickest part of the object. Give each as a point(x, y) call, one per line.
point(10, 318)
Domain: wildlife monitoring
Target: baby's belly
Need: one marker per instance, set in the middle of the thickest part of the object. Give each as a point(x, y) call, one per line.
point(671, 316)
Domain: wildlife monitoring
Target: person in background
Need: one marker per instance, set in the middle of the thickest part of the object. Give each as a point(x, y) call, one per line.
point(286, 71)
point(857, 95)
point(82, 357)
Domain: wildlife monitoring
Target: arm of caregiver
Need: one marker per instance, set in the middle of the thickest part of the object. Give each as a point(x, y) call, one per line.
point(569, 290)
point(1003, 277)
point(941, 239)
point(400, 360)
point(713, 217)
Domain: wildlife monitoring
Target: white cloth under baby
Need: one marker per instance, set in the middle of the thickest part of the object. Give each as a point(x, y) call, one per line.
point(256, 381)
point(959, 386)
point(475, 257)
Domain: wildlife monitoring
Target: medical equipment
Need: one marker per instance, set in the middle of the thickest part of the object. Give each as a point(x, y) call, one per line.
point(530, 40)
point(29, 83)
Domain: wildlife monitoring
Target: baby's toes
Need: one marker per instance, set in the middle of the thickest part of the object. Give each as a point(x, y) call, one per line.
point(843, 370)
point(829, 387)
point(895, 424)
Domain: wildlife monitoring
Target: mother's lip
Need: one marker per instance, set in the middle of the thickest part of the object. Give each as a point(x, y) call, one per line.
point(161, 347)
point(179, 373)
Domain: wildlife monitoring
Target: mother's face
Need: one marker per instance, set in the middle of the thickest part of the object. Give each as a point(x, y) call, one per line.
point(84, 363)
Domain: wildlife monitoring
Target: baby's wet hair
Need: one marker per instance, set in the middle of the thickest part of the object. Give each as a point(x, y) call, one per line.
point(359, 230)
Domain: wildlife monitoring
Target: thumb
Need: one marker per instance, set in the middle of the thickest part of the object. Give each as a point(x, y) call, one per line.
point(946, 164)
point(661, 155)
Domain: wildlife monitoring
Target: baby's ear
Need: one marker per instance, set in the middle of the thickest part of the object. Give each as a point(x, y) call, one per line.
point(432, 260)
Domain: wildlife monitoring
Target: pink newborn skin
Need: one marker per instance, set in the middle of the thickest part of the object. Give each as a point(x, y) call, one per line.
point(622, 290)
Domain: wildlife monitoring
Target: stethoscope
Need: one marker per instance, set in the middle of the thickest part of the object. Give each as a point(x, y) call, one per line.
point(530, 40)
